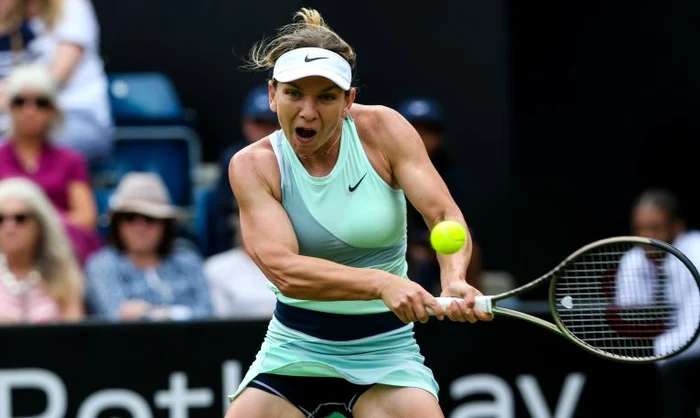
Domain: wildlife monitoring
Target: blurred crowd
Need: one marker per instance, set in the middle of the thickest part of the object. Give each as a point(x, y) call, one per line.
point(58, 261)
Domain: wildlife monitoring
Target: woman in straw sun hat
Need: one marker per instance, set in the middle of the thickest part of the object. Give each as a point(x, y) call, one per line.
point(142, 274)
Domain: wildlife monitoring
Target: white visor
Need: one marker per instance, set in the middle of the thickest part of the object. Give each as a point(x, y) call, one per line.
point(307, 62)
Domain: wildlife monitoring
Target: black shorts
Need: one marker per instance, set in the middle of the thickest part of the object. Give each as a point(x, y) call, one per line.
point(316, 397)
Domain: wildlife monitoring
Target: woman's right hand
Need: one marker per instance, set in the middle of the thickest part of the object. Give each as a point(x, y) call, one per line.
point(408, 300)
point(133, 310)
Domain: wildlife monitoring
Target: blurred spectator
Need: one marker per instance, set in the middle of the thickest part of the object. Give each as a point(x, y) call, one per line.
point(40, 280)
point(258, 121)
point(238, 287)
point(427, 118)
point(64, 36)
point(15, 34)
point(657, 214)
point(29, 152)
point(141, 274)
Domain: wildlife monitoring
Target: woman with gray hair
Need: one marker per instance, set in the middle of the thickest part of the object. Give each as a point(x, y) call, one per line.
point(30, 152)
point(40, 280)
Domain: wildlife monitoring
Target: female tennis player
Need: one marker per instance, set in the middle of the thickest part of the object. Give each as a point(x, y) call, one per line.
point(323, 214)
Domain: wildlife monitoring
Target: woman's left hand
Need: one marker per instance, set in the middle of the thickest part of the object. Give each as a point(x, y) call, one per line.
point(464, 311)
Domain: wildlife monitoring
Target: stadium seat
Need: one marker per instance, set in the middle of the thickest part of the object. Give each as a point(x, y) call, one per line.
point(102, 201)
point(151, 135)
point(144, 99)
point(171, 151)
point(203, 216)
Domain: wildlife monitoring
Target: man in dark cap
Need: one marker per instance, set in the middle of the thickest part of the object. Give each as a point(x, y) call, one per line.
point(426, 116)
point(257, 121)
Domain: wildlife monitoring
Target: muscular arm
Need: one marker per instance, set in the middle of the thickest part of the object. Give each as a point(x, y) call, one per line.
point(425, 189)
point(270, 239)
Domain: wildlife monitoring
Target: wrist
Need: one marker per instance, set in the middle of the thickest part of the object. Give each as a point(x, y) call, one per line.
point(448, 278)
point(381, 282)
point(453, 268)
point(453, 273)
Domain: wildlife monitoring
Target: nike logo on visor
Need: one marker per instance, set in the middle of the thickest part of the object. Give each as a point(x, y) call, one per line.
point(307, 59)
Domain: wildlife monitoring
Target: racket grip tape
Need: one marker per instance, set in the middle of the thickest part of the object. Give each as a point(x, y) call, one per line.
point(481, 303)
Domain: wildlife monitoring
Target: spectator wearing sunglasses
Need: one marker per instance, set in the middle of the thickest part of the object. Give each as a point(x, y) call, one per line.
point(40, 280)
point(30, 152)
point(63, 36)
point(141, 274)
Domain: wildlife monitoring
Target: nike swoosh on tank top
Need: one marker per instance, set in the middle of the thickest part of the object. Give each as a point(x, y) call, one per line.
point(350, 216)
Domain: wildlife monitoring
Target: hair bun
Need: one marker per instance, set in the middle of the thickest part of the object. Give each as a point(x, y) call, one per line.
point(311, 17)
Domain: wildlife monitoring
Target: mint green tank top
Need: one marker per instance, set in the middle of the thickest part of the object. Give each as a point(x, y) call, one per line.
point(350, 216)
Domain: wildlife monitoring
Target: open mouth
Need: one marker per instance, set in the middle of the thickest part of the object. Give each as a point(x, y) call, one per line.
point(304, 134)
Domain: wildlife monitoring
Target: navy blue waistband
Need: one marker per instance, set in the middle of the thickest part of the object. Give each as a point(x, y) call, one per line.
point(336, 327)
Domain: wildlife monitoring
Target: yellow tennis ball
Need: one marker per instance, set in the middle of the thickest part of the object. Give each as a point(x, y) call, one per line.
point(448, 237)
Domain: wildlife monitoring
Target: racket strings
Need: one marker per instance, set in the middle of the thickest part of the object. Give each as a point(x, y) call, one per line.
point(628, 301)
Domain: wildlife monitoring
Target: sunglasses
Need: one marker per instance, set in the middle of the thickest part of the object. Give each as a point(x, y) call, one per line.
point(39, 102)
point(132, 217)
point(18, 218)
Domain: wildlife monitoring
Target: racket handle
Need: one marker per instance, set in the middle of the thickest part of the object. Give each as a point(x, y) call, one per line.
point(481, 303)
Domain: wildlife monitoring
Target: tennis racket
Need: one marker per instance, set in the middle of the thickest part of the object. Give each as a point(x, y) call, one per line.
point(630, 299)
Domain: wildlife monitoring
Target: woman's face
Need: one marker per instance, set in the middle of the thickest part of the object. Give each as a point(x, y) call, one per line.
point(19, 229)
point(651, 221)
point(32, 113)
point(310, 111)
point(141, 234)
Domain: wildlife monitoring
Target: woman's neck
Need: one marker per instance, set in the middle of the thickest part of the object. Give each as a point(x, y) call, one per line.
point(28, 143)
point(20, 264)
point(28, 152)
point(144, 260)
point(324, 159)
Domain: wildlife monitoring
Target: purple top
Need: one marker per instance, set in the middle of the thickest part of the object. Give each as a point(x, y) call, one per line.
point(57, 167)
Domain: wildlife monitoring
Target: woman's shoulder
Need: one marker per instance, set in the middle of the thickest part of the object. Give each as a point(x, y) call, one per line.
point(379, 124)
point(371, 115)
point(80, 9)
point(254, 164)
point(77, 23)
point(185, 255)
point(259, 154)
point(65, 153)
point(103, 256)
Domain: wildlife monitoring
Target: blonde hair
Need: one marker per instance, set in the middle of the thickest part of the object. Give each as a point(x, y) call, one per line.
point(308, 30)
point(50, 13)
point(55, 259)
